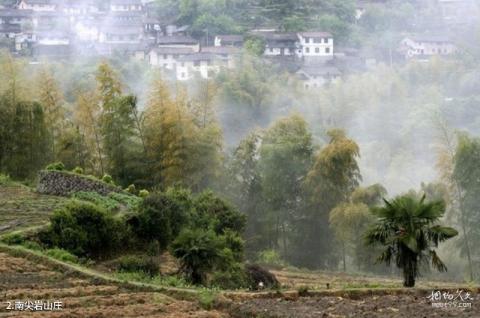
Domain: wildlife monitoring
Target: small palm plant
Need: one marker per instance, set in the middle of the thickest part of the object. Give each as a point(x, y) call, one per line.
point(407, 228)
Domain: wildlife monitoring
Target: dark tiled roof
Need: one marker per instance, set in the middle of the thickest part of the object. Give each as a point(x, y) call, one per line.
point(176, 40)
point(220, 50)
point(315, 34)
point(273, 36)
point(15, 13)
point(201, 56)
point(173, 50)
point(231, 38)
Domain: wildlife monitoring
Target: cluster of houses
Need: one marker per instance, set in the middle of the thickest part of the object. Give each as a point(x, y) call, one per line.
point(62, 28)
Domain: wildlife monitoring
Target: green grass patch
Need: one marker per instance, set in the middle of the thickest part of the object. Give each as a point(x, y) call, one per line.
point(130, 201)
point(207, 299)
point(15, 238)
point(103, 202)
point(62, 255)
point(135, 263)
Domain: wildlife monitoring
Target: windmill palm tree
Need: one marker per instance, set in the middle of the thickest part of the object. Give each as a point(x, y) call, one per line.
point(408, 229)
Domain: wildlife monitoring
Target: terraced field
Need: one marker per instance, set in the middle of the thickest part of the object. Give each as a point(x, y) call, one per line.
point(26, 280)
point(328, 294)
point(21, 207)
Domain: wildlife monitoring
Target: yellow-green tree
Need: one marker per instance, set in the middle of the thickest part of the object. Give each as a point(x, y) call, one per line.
point(180, 152)
point(347, 220)
point(87, 117)
point(331, 180)
point(117, 123)
point(51, 98)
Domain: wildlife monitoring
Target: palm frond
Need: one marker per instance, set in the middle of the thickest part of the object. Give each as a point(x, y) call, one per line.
point(437, 234)
point(437, 262)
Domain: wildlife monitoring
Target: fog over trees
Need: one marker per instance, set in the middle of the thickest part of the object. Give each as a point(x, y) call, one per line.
point(305, 167)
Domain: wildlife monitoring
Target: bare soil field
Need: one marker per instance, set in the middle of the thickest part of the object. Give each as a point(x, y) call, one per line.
point(319, 280)
point(26, 280)
point(385, 306)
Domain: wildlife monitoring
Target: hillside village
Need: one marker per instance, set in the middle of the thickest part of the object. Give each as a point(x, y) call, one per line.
point(240, 158)
point(60, 29)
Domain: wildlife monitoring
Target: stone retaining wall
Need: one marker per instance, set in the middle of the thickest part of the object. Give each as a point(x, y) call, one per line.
point(64, 183)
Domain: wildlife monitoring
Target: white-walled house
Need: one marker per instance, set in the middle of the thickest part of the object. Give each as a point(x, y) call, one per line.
point(125, 5)
point(278, 44)
point(200, 64)
point(167, 57)
point(427, 46)
point(76, 8)
point(315, 44)
point(227, 52)
point(14, 16)
point(37, 5)
point(229, 40)
point(316, 76)
point(123, 35)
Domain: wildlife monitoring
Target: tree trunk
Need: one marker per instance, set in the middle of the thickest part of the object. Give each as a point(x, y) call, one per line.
point(409, 274)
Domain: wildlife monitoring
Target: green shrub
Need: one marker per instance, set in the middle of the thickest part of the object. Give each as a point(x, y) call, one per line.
point(56, 166)
point(106, 203)
point(107, 179)
point(303, 291)
point(131, 189)
point(5, 180)
point(130, 201)
point(160, 218)
point(137, 263)
point(143, 193)
point(13, 239)
point(235, 243)
point(78, 170)
point(173, 281)
point(62, 255)
point(218, 214)
point(200, 252)
point(84, 229)
point(233, 278)
point(270, 258)
point(207, 299)
point(153, 248)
